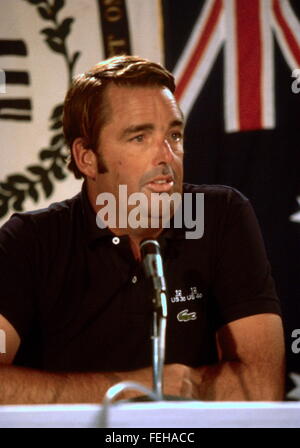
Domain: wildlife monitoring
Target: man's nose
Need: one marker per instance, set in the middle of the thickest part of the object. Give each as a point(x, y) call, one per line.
point(164, 153)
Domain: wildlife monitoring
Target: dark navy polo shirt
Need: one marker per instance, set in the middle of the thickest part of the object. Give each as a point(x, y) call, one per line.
point(81, 302)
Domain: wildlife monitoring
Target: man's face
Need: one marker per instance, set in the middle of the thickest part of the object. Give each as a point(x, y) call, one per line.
point(142, 142)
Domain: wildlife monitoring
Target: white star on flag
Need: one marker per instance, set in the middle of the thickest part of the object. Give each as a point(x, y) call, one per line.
point(294, 394)
point(295, 217)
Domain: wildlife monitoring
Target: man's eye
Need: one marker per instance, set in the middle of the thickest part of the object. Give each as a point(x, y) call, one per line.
point(176, 136)
point(138, 138)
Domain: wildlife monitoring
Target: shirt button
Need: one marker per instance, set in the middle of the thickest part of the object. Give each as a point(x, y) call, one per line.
point(134, 279)
point(116, 240)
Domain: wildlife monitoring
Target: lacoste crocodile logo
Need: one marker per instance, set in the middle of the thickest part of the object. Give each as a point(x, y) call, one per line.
point(185, 316)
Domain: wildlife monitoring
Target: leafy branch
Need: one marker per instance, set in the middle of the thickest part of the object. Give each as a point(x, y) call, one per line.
point(56, 35)
point(16, 187)
point(39, 177)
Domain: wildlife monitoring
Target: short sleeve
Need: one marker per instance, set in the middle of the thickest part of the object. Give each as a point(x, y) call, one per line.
point(243, 283)
point(17, 273)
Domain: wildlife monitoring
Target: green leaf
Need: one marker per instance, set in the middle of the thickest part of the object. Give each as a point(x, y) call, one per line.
point(58, 172)
point(57, 5)
point(47, 185)
point(74, 59)
point(56, 139)
point(18, 204)
point(36, 169)
point(3, 197)
point(56, 125)
point(57, 112)
point(45, 13)
point(46, 154)
point(58, 47)
point(18, 178)
point(49, 32)
point(3, 209)
point(33, 193)
point(65, 27)
point(7, 187)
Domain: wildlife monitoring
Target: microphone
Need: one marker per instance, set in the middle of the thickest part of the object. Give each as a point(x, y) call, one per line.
point(153, 265)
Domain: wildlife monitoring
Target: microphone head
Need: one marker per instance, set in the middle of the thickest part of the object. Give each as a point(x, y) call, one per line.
point(148, 246)
point(153, 265)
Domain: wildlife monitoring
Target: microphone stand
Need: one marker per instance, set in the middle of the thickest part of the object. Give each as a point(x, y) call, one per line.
point(154, 269)
point(159, 339)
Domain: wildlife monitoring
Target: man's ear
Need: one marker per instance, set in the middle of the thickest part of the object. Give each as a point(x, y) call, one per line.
point(85, 158)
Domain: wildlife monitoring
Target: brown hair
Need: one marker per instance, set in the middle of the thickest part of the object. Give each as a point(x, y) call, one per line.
point(85, 109)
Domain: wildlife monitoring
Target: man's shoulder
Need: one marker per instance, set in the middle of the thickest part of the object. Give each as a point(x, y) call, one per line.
point(44, 219)
point(217, 193)
point(55, 210)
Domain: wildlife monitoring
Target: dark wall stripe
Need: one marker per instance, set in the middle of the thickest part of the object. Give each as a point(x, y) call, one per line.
point(15, 117)
point(114, 27)
point(9, 103)
point(17, 77)
point(12, 47)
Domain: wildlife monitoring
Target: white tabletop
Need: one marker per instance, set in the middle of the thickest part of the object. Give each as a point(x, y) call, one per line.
point(164, 414)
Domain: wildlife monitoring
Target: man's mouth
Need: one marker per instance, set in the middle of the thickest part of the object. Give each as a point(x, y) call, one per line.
point(160, 184)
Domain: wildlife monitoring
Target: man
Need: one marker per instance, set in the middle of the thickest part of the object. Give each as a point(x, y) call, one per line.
point(74, 303)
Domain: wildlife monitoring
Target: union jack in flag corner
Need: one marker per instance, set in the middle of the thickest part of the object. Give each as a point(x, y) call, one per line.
point(237, 66)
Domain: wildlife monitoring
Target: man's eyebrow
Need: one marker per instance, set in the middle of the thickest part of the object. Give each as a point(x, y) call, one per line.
point(177, 123)
point(147, 127)
point(137, 128)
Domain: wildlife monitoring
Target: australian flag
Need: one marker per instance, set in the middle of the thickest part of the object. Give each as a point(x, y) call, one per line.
point(237, 66)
